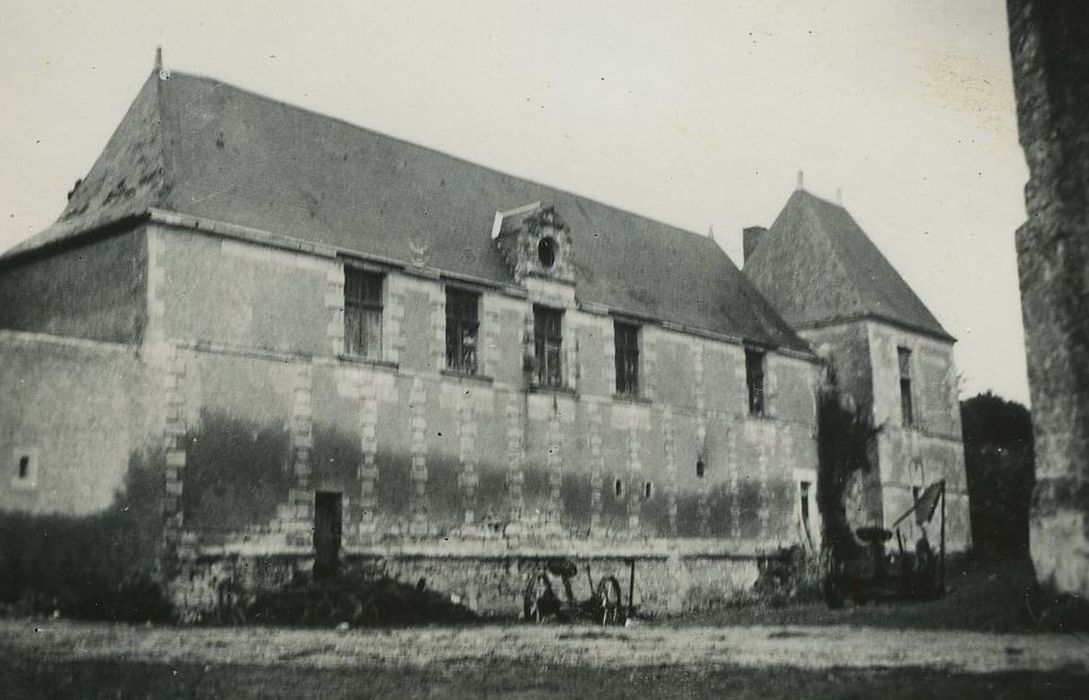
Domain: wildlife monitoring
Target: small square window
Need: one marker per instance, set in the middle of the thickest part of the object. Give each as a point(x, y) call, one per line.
point(24, 469)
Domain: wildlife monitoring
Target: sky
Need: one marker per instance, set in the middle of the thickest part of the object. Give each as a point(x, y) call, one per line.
point(699, 114)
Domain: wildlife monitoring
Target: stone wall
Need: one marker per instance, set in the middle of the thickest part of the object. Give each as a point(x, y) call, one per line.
point(489, 585)
point(75, 410)
point(1049, 43)
point(484, 466)
point(93, 290)
point(866, 365)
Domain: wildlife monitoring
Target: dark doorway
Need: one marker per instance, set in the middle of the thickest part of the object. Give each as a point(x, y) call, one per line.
point(327, 521)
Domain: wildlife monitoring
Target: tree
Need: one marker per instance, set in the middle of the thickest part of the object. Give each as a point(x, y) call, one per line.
point(1000, 465)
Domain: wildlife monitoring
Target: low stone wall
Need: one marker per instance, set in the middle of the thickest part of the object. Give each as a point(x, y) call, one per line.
point(490, 585)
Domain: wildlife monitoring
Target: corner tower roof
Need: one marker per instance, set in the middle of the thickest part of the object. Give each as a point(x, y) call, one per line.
point(817, 266)
point(206, 149)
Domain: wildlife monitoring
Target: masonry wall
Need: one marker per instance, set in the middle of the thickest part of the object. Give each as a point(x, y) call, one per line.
point(76, 410)
point(847, 348)
point(94, 290)
point(455, 465)
point(1048, 46)
point(932, 447)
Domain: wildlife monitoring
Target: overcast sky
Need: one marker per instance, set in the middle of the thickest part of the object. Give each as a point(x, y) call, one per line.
point(698, 114)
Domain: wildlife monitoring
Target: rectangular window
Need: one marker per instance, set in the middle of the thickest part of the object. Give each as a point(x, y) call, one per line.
point(626, 336)
point(907, 411)
point(363, 313)
point(462, 326)
point(548, 345)
point(25, 472)
point(754, 379)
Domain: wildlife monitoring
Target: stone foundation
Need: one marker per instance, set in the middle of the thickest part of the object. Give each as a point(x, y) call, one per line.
point(488, 585)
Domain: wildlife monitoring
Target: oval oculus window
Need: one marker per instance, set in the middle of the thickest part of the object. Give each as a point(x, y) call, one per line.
point(546, 251)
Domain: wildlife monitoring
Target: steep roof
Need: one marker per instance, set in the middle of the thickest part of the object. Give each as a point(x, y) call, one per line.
point(197, 146)
point(816, 265)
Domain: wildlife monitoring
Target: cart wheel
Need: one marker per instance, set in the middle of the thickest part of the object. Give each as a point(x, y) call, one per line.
point(609, 601)
point(538, 601)
point(834, 595)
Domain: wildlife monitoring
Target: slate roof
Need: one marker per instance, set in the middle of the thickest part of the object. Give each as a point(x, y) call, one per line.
point(817, 266)
point(200, 147)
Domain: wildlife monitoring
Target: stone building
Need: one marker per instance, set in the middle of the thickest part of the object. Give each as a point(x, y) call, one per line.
point(886, 349)
point(334, 348)
point(1049, 48)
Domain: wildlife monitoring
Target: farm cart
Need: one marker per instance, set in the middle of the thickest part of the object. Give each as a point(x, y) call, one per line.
point(604, 606)
point(879, 574)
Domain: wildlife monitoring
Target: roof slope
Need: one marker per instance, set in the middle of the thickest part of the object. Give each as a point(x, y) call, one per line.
point(835, 270)
point(200, 147)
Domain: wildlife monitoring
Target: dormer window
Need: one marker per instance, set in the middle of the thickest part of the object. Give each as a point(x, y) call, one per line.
point(535, 242)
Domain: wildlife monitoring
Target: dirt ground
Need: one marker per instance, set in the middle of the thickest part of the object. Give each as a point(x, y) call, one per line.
point(976, 642)
point(990, 595)
point(66, 659)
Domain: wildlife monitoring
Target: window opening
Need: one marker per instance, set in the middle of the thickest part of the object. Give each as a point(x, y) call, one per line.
point(548, 345)
point(700, 468)
point(546, 251)
point(648, 491)
point(24, 466)
point(804, 489)
point(618, 488)
point(907, 410)
point(363, 313)
point(754, 379)
point(626, 338)
point(462, 328)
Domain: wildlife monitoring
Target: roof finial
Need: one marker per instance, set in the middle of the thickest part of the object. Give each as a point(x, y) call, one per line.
point(711, 232)
point(801, 180)
point(158, 59)
point(839, 196)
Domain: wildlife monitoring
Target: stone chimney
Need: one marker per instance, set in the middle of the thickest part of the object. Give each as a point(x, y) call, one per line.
point(753, 234)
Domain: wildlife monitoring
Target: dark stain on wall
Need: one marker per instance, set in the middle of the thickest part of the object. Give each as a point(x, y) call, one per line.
point(236, 472)
point(575, 495)
point(334, 464)
point(536, 488)
point(444, 493)
point(101, 566)
point(96, 290)
point(393, 488)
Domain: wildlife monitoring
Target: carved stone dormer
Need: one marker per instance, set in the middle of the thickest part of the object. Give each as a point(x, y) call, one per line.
point(535, 242)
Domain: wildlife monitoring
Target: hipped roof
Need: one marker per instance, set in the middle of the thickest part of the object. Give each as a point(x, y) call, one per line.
point(200, 147)
point(817, 266)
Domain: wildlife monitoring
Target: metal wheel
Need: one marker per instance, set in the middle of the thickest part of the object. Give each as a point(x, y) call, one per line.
point(539, 600)
point(609, 601)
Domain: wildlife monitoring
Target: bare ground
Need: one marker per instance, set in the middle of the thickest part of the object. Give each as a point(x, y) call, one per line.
point(84, 659)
